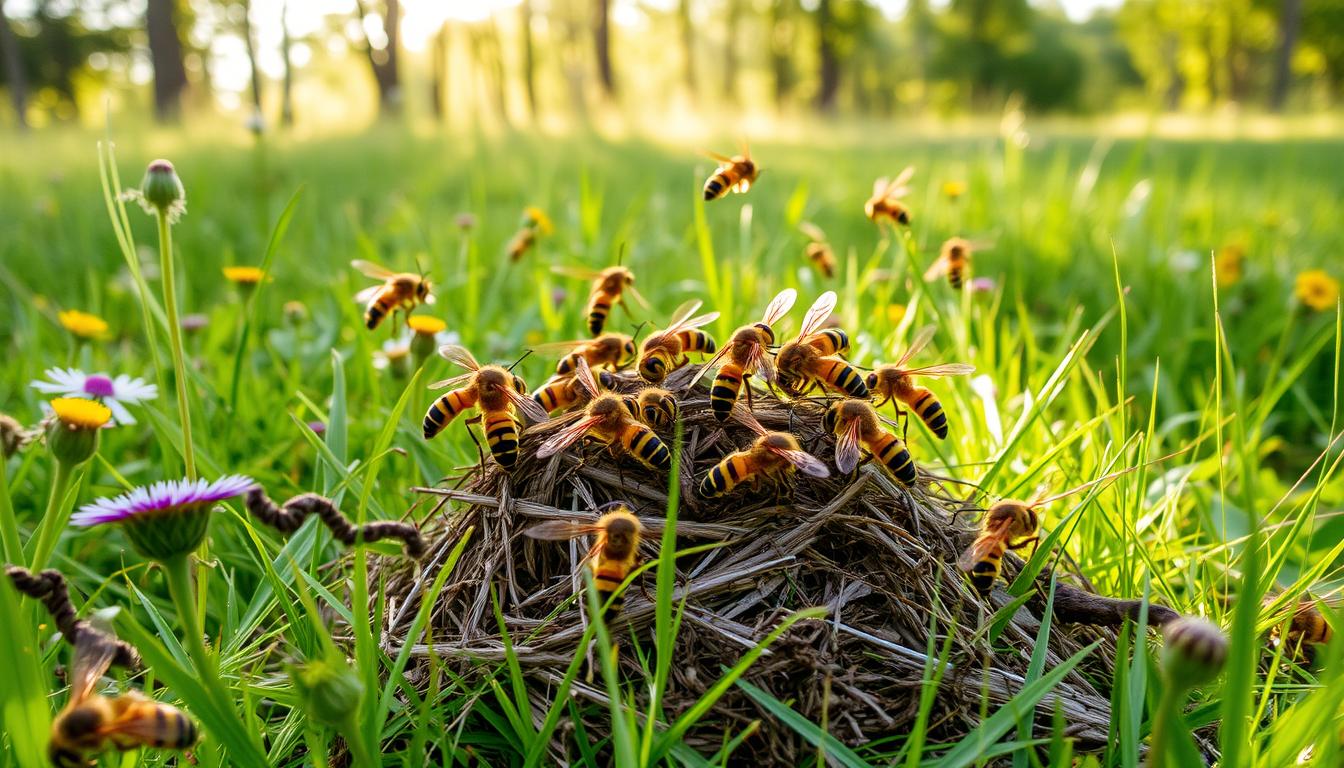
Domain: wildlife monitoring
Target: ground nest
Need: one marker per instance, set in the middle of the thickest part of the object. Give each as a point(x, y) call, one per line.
point(881, 558)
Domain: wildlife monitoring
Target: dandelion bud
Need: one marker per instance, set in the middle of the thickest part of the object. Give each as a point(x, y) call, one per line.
point(1194, 652)
point(295, 312)
point(162, 189)
point(73, 435)
point(329, 690)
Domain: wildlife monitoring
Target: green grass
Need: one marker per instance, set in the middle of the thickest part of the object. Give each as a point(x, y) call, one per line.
point(1103, 339)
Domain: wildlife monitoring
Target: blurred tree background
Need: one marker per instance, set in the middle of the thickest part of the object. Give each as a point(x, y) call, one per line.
point(316, 63)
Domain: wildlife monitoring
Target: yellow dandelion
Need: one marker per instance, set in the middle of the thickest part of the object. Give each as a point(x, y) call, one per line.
point(1227, 265)
point(537, 218)
point(894, 313)
point(953, 190)
point(1317, 289)
point(83, 324)
point(532, 338)
point(424, 325)
point(79, 413)
point(244, 276)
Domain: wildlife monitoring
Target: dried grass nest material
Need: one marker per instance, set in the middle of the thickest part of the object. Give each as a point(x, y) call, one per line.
point(880, 557)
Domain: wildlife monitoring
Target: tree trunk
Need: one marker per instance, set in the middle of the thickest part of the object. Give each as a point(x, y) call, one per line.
point(1290, 24)
point(602, 45)
point(529, 58)
point(781, 51)
point(15, 78)
point(438, 64)
point(687, 46)
point(497, 71)
point(730, 51)
point(165, 53)
point(287, 84)
point(252, 57)
point(828, 61)
point(383, 61)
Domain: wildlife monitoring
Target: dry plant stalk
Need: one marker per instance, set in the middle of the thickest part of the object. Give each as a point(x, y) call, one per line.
point(880, 557)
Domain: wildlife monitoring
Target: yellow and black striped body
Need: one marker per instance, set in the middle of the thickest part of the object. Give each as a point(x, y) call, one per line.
point(929, 410)
point(985, 570)
point(385, 302)
point(501, 435)
point(831, 341)
point(696, 340)
point(722, 478)
point(599, 306)
point(522, 240)
point(443, 410)
point(725, 389)
point(655, 407)
point(891, 453)
point(401, 291)
point(562, 392)
point(664, 353)
point(730, 176)
point(616, 556)
point(640, 441)
point(956, 276)
point(841, 376)
point(607, 349)
point(101, 722)
point(822, 258)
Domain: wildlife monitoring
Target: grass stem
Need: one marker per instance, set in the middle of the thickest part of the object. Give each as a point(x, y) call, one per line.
point(175, 341)
point(55, 518)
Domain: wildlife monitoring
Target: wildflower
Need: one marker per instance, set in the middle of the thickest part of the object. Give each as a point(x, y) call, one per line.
point(953, 190)
point(1317, 290)
point(244, 277)
point(465, 221)
point(295, 312)
point(166, 519)
point(1193, 653)
point(1185, 260)
point(83, 324)
point(425, 339)
point(329, 690)
point(983, 285)
point(115, 393)
point(194, 322)
point(394, 356)
point(161, 191)
point(535, 218)
point(13, 436)
point(558, 297)
point(318, 427)
point(73, 434)
point(893, 313)
point(1227, 265)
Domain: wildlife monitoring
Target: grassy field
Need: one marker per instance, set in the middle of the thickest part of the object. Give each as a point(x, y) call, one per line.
point(1100, 337)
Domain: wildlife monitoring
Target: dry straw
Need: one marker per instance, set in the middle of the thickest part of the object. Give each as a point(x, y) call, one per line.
point(881, 558)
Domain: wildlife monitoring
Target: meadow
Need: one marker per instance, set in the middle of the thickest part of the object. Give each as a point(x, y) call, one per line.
point(1140, 297)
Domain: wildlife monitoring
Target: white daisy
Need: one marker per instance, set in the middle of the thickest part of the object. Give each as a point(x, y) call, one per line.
point(115, 393)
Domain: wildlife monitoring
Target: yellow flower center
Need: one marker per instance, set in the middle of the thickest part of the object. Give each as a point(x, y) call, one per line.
point(244, 275)
point(82, 324)
point(426, 325)
point(954, 189)
point(80, 413)
point(895, 313)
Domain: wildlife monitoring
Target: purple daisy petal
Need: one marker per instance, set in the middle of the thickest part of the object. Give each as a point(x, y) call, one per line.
point(162, 497)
